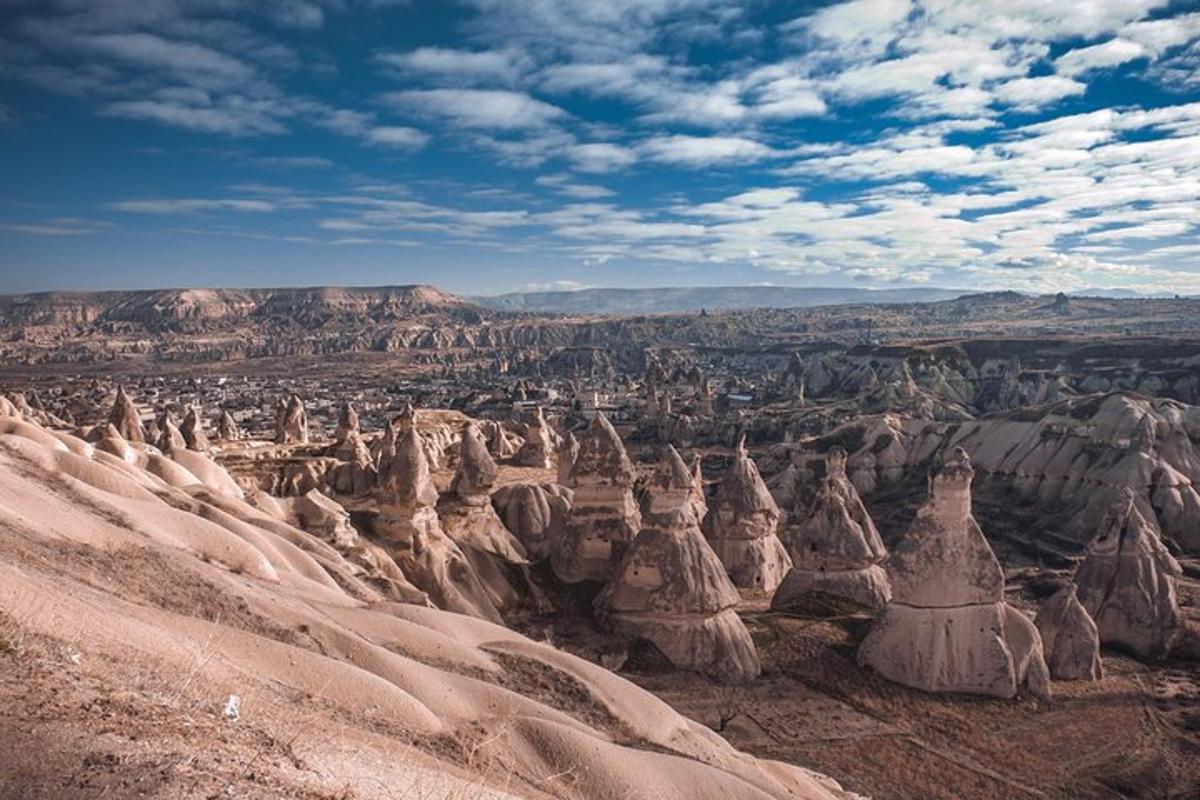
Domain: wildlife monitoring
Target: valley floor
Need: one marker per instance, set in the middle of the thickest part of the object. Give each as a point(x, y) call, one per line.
point(1136, 733)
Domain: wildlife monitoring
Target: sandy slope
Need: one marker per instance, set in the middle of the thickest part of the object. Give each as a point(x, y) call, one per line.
point(138, 593)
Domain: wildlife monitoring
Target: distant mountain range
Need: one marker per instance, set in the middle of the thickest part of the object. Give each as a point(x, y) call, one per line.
point(694, 298)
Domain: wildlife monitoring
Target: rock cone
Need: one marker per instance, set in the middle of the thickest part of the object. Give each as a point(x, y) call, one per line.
point(836, 552)
point(347, 423)
point(192, 431)
point(947, 627)
point(170, 439)
point(741, 527)
point(1070, 637)
point(671, 589)
point(568, 451)
point(227, 428)
point(409, 523)
point(604, 517)
point(291, 422)
point(1127, 583)
point(539, 444)
point(126, 418)
point(466, 512)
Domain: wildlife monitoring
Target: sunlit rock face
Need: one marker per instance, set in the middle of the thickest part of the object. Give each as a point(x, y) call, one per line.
point(291, 421)
point(466, 510)
point(604, 517)
point(126, 418)
point(947, 627)
point(671, 589)
point(227, 428)
point(1082, 455)
point(568, 451)
point(535, 513)
point(1070, 637)
point(408, 524)
point(347, 423)
point(538, 449)
point(192, 430)
point(1127, 583)
point(741, 527)
point(170, 438)
point(836, 551)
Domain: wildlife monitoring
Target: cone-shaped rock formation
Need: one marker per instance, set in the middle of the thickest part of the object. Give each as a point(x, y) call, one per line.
point(467, 513)
point(604, 517)
point(836, 552)
point(539, 445)
point(192, 431)
point(409, 523)
point(291, 422)
point(672, 590)
point(126, 418)
point(227, 428)
point(347, 423)
point(568, 451)
point(1070, 637)
point(947, 627)
point(741, 527)
point(1127, 583)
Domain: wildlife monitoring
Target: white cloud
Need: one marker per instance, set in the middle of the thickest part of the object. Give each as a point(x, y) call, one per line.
point(501, 66)
point(478, 108)
point(194, 63)
point(1112, 53)
point(599, 156)
point(563, 184)
point(699, 151)
point(189, 205)
point(1037, 92)
point(60, 226)
point(398, 137)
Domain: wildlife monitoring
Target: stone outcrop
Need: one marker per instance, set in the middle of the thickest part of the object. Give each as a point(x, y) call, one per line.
point(604, 517)
point(1078, 457)
point(671, 589)
point(227, 428)
point(698, 499)
point(466, 511)
point(192, 431)
point(326, 518)
point(1127, 583)
point(568, 451)
point(539, 443)
point(501, 443)
point(126, 417)
point(347, 423)
point(355, 472)
point(1069, 637)
point(836, 552)
point(383, 448)
point(947, 627)
point(408, 524)
point(291, 422)
point(169, 437)
point(741, 527)
point(535, 513)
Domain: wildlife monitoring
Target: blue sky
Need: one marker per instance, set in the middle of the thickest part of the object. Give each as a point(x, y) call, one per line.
point(495, 145)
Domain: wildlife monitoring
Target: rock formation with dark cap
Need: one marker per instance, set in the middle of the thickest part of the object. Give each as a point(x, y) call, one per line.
point(947, 627)
point(836, 551)
point(671, 589)
point(604, 517)
point(741, 527)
